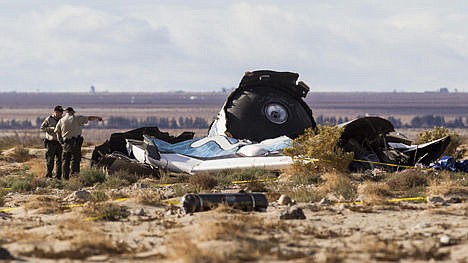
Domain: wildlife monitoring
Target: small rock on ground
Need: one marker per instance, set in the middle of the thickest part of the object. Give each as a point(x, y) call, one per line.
point(293, 212)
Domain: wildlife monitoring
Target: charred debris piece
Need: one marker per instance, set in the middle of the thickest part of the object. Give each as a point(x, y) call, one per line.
point(244, 201)
point(375, 144)
point(114, 156)
point(258, 120)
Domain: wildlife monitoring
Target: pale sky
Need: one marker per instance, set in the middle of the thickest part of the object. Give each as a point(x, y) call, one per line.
point(150, 45)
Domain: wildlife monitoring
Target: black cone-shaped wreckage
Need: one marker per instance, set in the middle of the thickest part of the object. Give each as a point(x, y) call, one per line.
point(267, 104)
point(258, 120)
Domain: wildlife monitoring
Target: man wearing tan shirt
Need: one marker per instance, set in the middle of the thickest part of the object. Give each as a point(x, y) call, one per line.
point(54, 149)
point(69, 130)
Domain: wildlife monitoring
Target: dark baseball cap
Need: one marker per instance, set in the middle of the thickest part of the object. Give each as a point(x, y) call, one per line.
point(58, 108)
point(70, 109)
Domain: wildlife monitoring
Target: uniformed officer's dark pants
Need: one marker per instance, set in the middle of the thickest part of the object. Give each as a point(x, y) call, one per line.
point(54, 151)
point(71, 154)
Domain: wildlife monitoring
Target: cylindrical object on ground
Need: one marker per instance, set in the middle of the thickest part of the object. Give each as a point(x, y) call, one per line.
point(244, 201)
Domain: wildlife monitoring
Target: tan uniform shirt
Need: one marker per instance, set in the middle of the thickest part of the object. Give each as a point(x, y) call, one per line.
point(70, 125)
point(48, 126)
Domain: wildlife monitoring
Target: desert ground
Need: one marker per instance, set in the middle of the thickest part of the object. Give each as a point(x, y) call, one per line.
point(413, 215)
point(96, 217)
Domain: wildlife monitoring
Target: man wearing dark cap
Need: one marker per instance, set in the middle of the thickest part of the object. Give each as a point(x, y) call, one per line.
point(69, 130)
point(54, 148)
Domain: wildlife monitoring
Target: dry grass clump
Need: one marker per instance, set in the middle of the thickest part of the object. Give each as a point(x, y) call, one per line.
point(299, 193)
point(226, 177)
point(203, 181)
point(3, 193)
point(105, 210)
point(126, 177)
point(23, 183)
point(338, 184)
point(73, 184)
point(374, 192)
point(37, 167)
point(321, 151)
point(445, 185)
point(439, 132)
point(99, 196)
point(407, 183)
point(45, 204)
point(20, 154)
point(149, 197)
point(91, 176)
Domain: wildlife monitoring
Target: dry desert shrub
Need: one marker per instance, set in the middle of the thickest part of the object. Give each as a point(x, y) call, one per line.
point(98, 196)
point(37, 166)
point(203, 181)
point(91, 176)
point(45, 204)
point(319, 151)
point(23, 183)
point(408, 183)
point(20, 154)
point(374, 192)
point(3, 193)
point(338, 184)
point(445, 185)
point(105, 210)
point(73, 184)
point(149, 197)
point(226, 177)
point(300, 192)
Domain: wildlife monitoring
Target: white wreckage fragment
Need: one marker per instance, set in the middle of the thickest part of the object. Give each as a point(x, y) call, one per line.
point(210, 154)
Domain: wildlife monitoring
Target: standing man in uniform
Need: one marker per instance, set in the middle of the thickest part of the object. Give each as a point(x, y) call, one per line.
point(53, 146)
point(69, 130)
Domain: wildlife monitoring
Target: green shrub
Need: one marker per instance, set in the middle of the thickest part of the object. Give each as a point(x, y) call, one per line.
point(99, 196)
point(92, 176)
point(114, 182)
point(131, 178)
point(73, 184)
point(148, 197)
point(106, 211)
point(440, 132)
point(226, 177)
point(319, 152)
point(22, 184)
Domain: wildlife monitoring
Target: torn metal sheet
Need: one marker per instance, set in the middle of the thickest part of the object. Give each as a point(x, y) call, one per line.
point(117, 143)
point(371, 140)
point(211, 154)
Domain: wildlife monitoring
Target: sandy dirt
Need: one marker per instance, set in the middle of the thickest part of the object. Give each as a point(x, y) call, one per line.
point(45, 225)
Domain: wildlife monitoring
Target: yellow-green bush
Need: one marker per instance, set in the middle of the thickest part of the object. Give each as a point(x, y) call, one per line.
point(319, 152)
point(440, 132)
